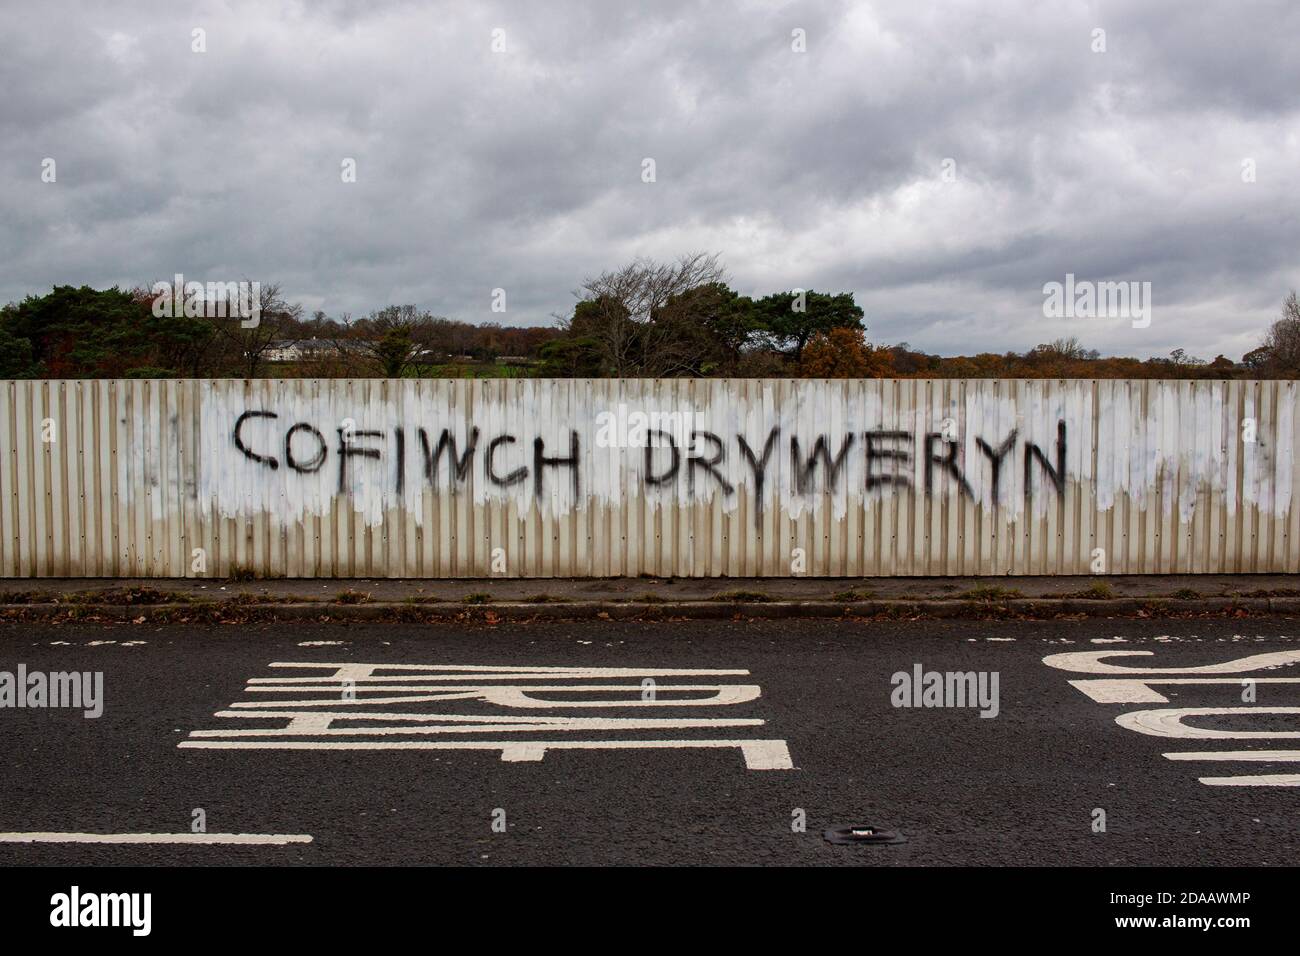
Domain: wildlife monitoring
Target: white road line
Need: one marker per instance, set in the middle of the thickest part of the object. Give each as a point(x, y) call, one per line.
point(1262, 780)
point(273, 839)
point(335, 687)
point(318, 725)
point(273, 711)
point(521, 697)
point(359, 671)
point(758, 754)
point(481, 676)
point(1265, 756)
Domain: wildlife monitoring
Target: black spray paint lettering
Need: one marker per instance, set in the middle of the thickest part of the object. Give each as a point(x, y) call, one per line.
point(542, 462)
point(661, 439)
point(239, 438)
point(805, 471)
point(880, 450)
point(317, 460)
point(348, 449)
point(458, 465)
point(995, 457)
point(694, 461)
point(350, 445)
point(888, 458)
point(1057, 474)
point(516, 476)
point(709, 465)
point(949, 462)
point(759, 466)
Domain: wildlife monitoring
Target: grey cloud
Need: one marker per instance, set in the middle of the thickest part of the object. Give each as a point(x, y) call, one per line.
point(522, 170)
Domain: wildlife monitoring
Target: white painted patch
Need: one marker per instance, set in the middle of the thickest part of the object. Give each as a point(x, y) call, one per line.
point(274, 839)
point(320, 643)
point(1174, 447)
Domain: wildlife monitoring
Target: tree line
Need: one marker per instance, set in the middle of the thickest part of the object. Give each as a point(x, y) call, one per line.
point(645, 319)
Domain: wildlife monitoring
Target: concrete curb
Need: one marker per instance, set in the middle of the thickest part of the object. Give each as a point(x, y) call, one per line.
point(492, 613)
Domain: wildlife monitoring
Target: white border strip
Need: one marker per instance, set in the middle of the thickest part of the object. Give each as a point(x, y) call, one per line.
point(273, 839)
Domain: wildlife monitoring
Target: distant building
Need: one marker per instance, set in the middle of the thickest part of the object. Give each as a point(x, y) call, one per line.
point(300, 350)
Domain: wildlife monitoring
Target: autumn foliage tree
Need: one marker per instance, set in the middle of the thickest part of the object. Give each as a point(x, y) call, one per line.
point(843, 353)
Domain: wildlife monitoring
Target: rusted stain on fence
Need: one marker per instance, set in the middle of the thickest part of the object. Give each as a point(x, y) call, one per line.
point(539, 478)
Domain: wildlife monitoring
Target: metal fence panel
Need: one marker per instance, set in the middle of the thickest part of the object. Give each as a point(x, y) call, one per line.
point(621, 477)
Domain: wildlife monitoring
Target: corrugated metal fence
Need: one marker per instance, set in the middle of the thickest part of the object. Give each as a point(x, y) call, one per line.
point(539, 478)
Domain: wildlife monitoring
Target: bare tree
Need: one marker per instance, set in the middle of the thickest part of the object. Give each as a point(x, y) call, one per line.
point(618, 311)
point(392, 339)
point(1282, 341)
point(246, 347)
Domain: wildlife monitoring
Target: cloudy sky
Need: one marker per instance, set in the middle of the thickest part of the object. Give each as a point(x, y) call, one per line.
point(940, 161)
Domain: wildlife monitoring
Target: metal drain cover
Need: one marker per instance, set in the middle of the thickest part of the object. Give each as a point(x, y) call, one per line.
point(862, 833)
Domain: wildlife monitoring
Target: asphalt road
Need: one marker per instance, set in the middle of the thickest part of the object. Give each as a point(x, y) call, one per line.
point(1023, 787)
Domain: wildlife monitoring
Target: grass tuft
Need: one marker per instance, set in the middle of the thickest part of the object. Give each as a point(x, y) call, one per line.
point(750, 597)
point(990, 592)
point(351, 596)
point(1096, 591)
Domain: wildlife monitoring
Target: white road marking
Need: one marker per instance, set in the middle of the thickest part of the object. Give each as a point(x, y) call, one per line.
point(1090, 662)
point(758, 754)
point(273, 839)
point(1138, 686)
point(1259, 780)
point(1246, 780)
point(1269, 756)
point(349, 701)
point(1168, 722)
point(358, 672)
point(1137, 690)
point(723, 695)
point(317, 724)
